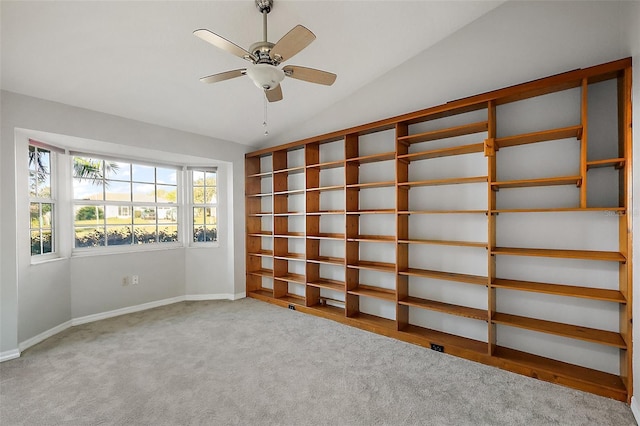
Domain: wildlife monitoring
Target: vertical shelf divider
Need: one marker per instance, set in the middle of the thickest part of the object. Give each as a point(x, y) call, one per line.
point(352, 225)
point(584, 109)
point(312, 222)
point(402, 229)
point(490, 153)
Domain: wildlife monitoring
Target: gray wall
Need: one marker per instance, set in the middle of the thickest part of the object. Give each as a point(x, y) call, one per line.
point(37, 298)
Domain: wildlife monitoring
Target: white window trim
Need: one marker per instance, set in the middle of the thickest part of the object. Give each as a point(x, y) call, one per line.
point(55, 225)
point(190, 205)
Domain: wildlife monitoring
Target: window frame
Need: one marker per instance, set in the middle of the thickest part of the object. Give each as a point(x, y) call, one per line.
point(40, 201)
point(191, 205)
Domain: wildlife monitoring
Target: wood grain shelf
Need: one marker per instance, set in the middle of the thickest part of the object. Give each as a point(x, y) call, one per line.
point(447, 276)
point(369, 185)
point(384, 156)
point(327, 284)
point(541, 136)
point(290, 192)
point(445, 339)
point(374, 266)
point(617, 163)
point(328, 311)
point(410, 212)
point(373, 211)
point(261, 253)
point(290, 170)
point(444, 243)
point(562, 209)
point(446, 308)
point(260, 175)
point(450, 132)
point(290, 235)
point(260, 214)
point(449, 181)
point(293, 299)
point(561, 290)
point(374, 292)
point(290, 256)
point(610, 256)
point(263, 272)
point(373, 321)
point(259, 195)
point(443, 152)
point(373, 238)
point(327, 260)
point(292, 278)
point(326, 188)
point(326, 236)
point(527, 183)
point(592, 335)
point(289, 214)
point(260, 234)
point(321, 212)
point(327, 165)
point(264, 292)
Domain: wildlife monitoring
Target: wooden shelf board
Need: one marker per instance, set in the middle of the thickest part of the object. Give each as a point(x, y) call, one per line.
point(450, 181)
point(289, 214)
point(327, 165)
point(290, 235)
point(564, 254)
point(260, 234)
point(262, 194)
point(374, 320)
point(376, 266)
point(374, 292)
point(325, 212)
point(326, 188)
point(446, 339)
point(259, 214)
point(293, 298)
point(443, 152)
point(328, 311)
point(328, 284)
point(561, 290)
point(447, 308)
point(257, 175)
point(373, 238)
point(290, 192)
point(327, 259)
point(442, 212)
point(561, 209)
point(611, 162)
point(291, 277)
point(383, 156)
point(261, 253)
point(560, 372)
point(541, 136)
point(450, 132)
point(527, 183)
point(592, 335)
point(262, 272)
point(264, 292)
point(448, 276)
point(371, 185)
point(445, 243)
point(291, 170)
point(291, 256)
point(373, 211)
point(326, 236)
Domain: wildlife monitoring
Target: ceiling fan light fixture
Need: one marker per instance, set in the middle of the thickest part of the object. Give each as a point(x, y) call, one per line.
point(265, 76)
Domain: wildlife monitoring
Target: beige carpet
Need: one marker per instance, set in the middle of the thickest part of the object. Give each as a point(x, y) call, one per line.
point(250, 363)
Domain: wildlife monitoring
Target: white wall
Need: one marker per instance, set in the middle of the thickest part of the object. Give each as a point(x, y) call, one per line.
point(37, 298)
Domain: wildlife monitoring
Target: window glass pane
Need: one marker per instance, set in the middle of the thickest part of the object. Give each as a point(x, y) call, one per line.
point(34, 214)
point(210, 178)
point(167, 194)
point(144, 192)
point(33, 184)
point(117, 191)
point(144, 234)
point(198, 215)
point(35, 243)
point(198, 178)
point(87, 168)
point(119, 235)
point(88, 215)
point(87, 190)
point(32, 158)
point(169, 176)
point(117, 170)
point(47, 241)
point(210, 215)
point(144, 215)
point(89, 237)
point(167, 214)
point(115, 215)
point(211, 234)
point(198, 233)
point(47, 215)
point(143, 173)
point(167, 233)
point(44, 186)
point(210, 195)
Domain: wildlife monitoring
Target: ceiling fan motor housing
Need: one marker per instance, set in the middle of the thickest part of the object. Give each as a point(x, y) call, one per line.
point(265, 76)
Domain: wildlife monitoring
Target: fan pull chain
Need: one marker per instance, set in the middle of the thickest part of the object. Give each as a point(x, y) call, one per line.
point(264, 123)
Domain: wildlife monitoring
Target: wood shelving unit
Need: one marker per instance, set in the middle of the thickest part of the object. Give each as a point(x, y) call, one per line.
point(376, 227)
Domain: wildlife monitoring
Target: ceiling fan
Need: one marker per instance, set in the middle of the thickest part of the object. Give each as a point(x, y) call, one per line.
point(265, 58)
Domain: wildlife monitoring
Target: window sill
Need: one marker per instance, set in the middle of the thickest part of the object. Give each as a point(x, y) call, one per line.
point(215, 244)
point(106, 251)
point(49, 259)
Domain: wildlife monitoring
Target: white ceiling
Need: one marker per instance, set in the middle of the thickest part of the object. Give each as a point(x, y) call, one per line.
point(140, 60)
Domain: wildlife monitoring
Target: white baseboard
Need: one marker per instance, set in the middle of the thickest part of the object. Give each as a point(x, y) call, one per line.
point(7, 355)
point(635, 408)
point(127, 310)
point(238, 296)
point(22, 346)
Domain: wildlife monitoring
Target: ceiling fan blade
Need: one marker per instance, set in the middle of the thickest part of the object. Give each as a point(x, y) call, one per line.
point(223, 76)
point(275, 94)
point(224, 44)
point(291, 43)
point(311, 75)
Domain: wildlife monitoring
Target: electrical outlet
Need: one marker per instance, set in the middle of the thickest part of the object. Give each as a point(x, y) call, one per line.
point(437, 348)
point(135, 280)
point(292, 307)
point(125, 281)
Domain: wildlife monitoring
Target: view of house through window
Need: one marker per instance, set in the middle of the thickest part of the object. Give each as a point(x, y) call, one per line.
point(204, 204)
point(121, 203)
point(41, 201)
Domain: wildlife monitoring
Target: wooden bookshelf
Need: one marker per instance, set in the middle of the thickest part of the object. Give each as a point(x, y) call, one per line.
point(340, 243)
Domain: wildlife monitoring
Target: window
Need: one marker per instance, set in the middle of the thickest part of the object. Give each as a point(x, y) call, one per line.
point(123, 203)
point(41, 201)
point(204, 201)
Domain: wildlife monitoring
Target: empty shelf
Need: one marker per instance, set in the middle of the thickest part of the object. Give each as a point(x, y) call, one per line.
point(291, 277)
point(327, 284)
point(261, 253)
point(327, 259)
point(525, 183)
point(446, 339)
point(373, 238)
point(448, 276)
point(376, 266)
point(327, 165)
point(449, 181)
point(447, 308)
point(371, 185)
point(450, 132)
point(445, 243)
point(374, 292)
point(263, 272)
point(561, 290)
point(384, 156)
point(618, 163)
point(444, 152)
point(326, 236)
point(564, 254)
point(545, 135)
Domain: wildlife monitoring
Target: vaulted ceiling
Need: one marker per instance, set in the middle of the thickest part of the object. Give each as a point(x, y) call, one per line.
point(140, 60)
